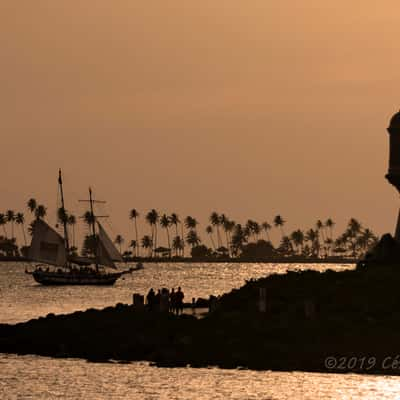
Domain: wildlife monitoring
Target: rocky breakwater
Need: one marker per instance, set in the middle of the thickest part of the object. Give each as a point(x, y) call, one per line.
point(122, 332)
point(332, 322)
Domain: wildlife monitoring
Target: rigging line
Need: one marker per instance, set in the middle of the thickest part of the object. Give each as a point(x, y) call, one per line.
point(51, 215)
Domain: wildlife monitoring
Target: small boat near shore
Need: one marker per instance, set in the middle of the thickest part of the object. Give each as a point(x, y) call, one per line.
point(58, 267)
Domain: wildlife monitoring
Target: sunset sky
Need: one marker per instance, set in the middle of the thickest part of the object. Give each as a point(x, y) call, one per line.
point(249, 108)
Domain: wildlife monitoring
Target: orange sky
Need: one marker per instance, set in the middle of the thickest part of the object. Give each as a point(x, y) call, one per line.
point(249, 108)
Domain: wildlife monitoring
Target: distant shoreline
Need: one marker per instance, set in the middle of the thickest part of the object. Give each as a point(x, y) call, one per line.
point(189, 260)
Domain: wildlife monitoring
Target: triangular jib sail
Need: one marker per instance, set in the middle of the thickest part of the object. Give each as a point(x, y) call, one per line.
point(47, 245)
point(107, 252)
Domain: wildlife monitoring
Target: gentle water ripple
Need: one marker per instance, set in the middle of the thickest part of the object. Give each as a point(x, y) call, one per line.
point(30, 377)
point(22, 298)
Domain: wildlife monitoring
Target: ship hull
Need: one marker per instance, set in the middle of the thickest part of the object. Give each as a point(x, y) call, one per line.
point(60, 278)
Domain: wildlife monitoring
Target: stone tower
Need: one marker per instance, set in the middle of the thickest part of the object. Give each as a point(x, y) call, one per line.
point(393, 175)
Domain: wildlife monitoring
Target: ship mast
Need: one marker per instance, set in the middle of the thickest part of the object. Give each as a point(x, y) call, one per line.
point(93, 226)
point(63, 213)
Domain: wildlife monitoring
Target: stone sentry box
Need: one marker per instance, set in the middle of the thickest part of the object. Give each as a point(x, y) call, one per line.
point(393, 175)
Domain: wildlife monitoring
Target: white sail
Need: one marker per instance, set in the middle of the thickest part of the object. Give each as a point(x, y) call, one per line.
point(103, 258)
point(107, 252)
point(47, 245)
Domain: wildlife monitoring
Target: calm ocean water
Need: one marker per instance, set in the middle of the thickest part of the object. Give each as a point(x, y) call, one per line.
point(32, 377)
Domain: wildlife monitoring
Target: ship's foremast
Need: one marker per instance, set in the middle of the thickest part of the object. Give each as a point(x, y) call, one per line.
point(93, 228)
point(64, 216)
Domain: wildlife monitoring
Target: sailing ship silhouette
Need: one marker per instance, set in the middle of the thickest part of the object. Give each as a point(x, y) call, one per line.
point(58, 267)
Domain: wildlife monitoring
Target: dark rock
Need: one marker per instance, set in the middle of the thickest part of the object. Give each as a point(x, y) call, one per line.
point(311, 316)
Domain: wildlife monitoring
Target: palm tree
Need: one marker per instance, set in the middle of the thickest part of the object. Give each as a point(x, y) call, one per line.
point(312, 236)
point(298, 239)
point(320, 228)
point(133, 214)
point(328, 246)
point(266, 227)
point(32, 204)
point(253, 229)
point(10, 216)
point(166, 223)
point(247, 232)
point(209, 230)
point(279, 221)
point(351, 234)
point(20, 220)
point(369, 239)
point(256, 229)
point(152, 218)
point(359, 241)
point(330, 224)
point(119, 240)
point(133, 245)
point(177, 244)
point(3, 222)
point(368, 234)
point(238, 239)
point(71, 220)
point(147, 243)
point(89, 246)
point(174, 220)
point(228, 226)
point(354, 226)
point(40, 211)
point(286, 247)
point(216, 221)
point(89, 218)
point(249, 228)
point(191, 223)
point(223, 220)
point(192, 238)
point(339, 245)
point(62, 215)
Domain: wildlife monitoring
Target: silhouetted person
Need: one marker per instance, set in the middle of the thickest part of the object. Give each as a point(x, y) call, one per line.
point(172, 300)
point(212, 303)
point(157, 300)
point(179, 301)
point(193, 306)
point(164, 300)
point(150, 299)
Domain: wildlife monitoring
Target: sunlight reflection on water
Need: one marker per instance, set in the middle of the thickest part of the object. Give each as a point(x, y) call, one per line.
point(22, 298)
point(30, 377)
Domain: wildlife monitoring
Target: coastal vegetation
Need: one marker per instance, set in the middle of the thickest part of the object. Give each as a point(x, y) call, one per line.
point(184, 238)
point(227, 239)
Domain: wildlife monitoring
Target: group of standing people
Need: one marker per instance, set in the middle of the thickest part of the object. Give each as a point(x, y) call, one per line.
point(165, 300)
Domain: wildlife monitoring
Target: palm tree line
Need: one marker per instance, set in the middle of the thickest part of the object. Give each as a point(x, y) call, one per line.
point(10, 219)
point(223, 236)
point(229, 239)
